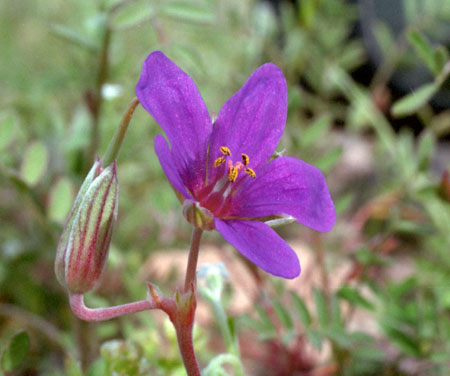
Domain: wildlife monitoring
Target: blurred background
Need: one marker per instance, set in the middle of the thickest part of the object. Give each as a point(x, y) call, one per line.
point(369, 99)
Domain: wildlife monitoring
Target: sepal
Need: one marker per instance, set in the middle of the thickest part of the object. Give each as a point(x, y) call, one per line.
point(198, 216)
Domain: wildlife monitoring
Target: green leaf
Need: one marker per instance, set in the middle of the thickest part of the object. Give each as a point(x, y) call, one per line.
point(315, 338)
point(316, 130)
point(342, 203)
point(425, 150)
point(302, 310)
point(16, 351)
point(7, 130)
point(188, 12)
point(132, 14)
point(321, 308)
point(72, 368)
point(61, 198)
point(441, 57)
point(339, 337)
point(367, 257)
point(410, 103)
point(98, 368)
point(353, 296)
point(73, 37)
point(423, 49)
point(369, 353)
point(329, 160)
point(336, 315)
point(267, 329)
point(307, 12)
point(404, 341)
point(231, 322)
point(34, 163)
point(282, 314)
point(384, 37)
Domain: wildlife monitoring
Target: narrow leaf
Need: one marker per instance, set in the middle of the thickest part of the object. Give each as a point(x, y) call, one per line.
point(315, 338)
point(282, 314)
point(410, 103)
point(441, 57)
point(423, 49)
point(133, 14)
point(16, 351)
point(353, 296)
point(404, 341)
point(188, 12)
point(6, 130)
point(74, 37)
point(329, 160)
point(302, 310)
point(60, 202)
point(34, 163)
point(316, 130)
point(321, 308)
point(265, 320)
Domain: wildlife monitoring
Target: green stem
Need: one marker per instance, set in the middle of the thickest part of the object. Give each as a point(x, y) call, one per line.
point(115, 144)
point(230, 342)
point(102, 76)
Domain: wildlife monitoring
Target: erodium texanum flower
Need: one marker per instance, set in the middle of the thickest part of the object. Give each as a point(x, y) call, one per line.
point(224, 168)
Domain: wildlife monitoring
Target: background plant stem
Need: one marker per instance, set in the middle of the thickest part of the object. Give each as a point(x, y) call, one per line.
point(97, 100)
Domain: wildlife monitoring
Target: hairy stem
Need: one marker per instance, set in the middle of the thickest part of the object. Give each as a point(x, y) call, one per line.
point(186, 346)
point(102, 314)
point(193, 257)
point(186, 305)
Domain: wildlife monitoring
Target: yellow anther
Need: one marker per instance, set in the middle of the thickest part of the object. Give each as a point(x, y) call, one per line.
point(219, 161)
point(250, 172)
point(232, 174)
point(245, 159)
point(225, 151)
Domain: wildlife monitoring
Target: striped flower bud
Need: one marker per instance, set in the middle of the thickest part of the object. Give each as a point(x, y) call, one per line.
point(83, 247)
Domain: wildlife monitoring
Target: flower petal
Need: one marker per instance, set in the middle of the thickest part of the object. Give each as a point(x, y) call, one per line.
point(262, 246)
point(287, 186)
point(172, 98)
point(253, 119)
point(165, 157)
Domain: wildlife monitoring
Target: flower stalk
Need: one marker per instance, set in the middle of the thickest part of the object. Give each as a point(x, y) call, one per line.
point(101, 314)
point(112, 152)
point(192, 258)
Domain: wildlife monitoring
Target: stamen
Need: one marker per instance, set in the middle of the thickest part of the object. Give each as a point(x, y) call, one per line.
point(232, 174)
point(245, 159)
point(225, 151)
point(250, 172)
point(219, 161)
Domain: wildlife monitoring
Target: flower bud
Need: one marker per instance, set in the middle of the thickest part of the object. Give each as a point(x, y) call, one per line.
point(198, 216)
point(83, 247)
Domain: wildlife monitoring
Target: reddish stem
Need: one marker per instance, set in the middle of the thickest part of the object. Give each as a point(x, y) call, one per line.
point(186, 346)
point(191, 269)
point(102, 314)
point(184, 319)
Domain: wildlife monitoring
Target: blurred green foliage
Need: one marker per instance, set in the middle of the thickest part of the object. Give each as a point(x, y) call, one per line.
point(68, 71)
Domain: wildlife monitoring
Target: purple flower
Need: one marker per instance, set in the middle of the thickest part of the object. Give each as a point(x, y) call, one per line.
point(223, 167)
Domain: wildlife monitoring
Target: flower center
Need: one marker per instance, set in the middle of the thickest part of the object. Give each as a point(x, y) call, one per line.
point(234, 168)
point(217, 196)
